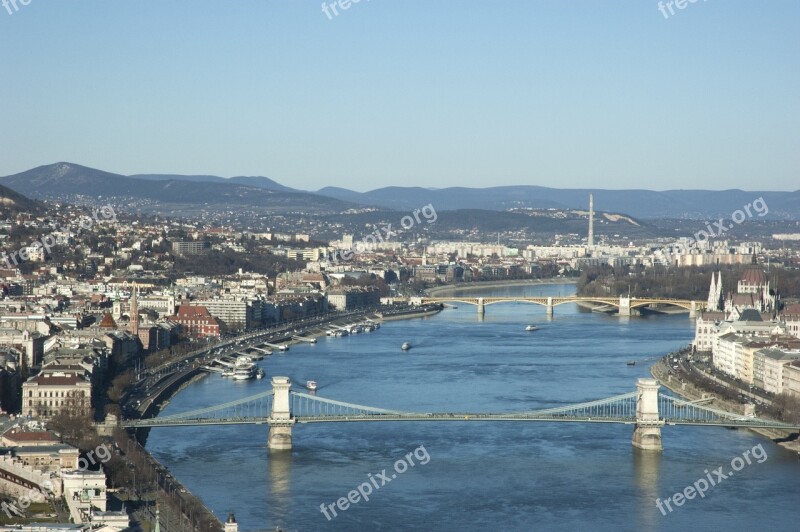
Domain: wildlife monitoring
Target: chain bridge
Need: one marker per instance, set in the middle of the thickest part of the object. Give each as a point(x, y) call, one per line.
point(646, 409)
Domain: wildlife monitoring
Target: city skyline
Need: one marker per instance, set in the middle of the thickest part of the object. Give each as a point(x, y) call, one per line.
point(388, 93)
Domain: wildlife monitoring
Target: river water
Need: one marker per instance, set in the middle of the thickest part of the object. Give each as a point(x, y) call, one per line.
point(479, 476)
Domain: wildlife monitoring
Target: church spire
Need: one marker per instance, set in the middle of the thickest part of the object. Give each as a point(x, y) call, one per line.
point(134, 310)
point(712, 295)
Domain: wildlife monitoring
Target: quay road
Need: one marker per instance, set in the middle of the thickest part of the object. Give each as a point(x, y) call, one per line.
point(144, 395)
point(691, 368)
point(153, 381)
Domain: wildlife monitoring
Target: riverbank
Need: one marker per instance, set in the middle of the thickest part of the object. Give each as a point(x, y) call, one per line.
point(171, 386)
point(691, 392)
point(412, 313)
point(479, 286)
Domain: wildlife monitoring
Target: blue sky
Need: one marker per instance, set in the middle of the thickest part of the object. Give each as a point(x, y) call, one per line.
point(436, 93)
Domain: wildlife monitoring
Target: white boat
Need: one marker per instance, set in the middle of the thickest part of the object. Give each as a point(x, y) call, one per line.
point(244, 360)
point(228, 373)
point(531, 328)
point(311, 385)
point(243, 373)
point(406, 346)
point(260, 373)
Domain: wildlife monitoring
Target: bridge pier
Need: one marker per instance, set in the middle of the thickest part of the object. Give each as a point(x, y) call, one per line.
point(647, 434)
point(481, 307)
point(280, 420)
point(550, 306)
point(280, 436)
point(624, 306)
point(693, 310)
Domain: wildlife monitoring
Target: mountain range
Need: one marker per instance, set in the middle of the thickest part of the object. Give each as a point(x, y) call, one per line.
point(58, 180)
point(64, 180)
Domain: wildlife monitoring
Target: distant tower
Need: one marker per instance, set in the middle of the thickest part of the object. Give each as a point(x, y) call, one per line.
point(591, 221)
point(158, 521)
point(230, 524)
point(715, 302)
point(134, 311)
point(711, 306)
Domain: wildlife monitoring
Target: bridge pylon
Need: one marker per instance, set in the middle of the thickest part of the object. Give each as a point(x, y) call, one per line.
point(647, 434)
point(693, 310)
point(280, 420)
point(624, 306)
point(481, 307)
point(549, 306)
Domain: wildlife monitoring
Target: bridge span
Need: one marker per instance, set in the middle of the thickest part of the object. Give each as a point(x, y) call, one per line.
point(623, 304)
point(645, 409)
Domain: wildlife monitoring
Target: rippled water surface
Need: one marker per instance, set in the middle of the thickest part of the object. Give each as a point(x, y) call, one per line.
point(489, 476)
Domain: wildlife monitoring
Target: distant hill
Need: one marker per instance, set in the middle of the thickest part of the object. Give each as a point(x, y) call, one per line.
point(689, 204)
point(59, 180)
point(12, 202)
point(63, 179)
point(250, 181)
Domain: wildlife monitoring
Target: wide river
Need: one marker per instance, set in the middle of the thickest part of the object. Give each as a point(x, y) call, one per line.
point(493, 476)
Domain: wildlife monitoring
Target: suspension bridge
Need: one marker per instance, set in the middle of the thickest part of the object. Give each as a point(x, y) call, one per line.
point(281, 408)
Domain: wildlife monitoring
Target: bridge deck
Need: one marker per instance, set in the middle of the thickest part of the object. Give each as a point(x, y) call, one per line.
point(742, 423)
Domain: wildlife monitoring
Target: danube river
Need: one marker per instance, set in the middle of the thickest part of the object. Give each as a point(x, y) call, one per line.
point(479, 476)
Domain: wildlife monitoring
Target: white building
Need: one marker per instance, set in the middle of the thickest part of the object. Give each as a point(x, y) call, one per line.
point(84, 492)
point(769, 367)
point(791, 378)
point(729, 347)
point(47, 393)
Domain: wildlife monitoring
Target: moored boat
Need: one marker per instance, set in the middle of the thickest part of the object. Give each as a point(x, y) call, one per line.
point(243, 373)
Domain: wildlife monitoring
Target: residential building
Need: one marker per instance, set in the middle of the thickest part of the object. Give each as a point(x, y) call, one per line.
point(768, 365)
point(352, 298)
point(791, 378)
point(197, 321)
point(46, 394)
point(195, 247)
point(239, 312)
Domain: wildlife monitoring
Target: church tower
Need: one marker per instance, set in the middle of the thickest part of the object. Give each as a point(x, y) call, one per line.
point(712, 304)
point(134, 311)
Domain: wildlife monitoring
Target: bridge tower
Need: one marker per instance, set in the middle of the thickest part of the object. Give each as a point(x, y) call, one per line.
point(647, 434)
point(549, 306)
point(624, 306)
point(280, 420)
point(481, 307)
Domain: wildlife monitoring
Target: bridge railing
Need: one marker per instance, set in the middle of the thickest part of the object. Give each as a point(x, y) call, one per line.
point(253, 406)
point(619, 406)
point(676, 410)
point(306, 405)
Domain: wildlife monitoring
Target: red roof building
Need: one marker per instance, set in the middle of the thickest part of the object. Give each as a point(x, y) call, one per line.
point(197, 321)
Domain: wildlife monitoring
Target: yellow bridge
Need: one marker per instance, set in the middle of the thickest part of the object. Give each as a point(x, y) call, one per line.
point(623, 304)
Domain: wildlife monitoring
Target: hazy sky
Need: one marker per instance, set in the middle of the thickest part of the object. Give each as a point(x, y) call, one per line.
point(435, 93)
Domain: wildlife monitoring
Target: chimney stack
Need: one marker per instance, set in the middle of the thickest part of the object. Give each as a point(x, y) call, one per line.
point(591, 221)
